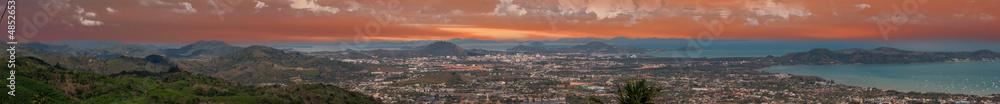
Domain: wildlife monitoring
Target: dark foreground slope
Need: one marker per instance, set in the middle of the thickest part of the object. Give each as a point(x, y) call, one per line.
point(39, 82)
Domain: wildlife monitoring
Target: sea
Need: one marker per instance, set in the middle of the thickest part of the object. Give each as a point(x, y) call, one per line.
point(752, 48)
point(976, 78)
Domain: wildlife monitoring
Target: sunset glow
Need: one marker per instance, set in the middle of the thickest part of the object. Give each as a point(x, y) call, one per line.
point(258, 21)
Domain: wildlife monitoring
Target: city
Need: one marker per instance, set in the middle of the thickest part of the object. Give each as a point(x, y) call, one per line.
point(522, 77)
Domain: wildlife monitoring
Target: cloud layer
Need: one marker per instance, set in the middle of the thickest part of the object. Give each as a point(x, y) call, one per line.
point(260, 21)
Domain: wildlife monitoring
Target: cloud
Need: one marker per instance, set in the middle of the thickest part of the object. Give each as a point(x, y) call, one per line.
point(863, 6)
point(507, 7)
point(90, 14)
point(152, 3)
point(751, 22)
point(85, 18)
point(178, 7)
point(354, 5)
point(986, 17)
point(259, 5)
point(142, 20)
point(187, 9)
point(88, 22)
point(312, 6)
point(775, 9)
point(111, 11)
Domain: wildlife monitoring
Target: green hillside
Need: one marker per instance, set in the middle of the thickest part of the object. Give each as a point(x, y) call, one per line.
point(39, 82)
point(262, 64)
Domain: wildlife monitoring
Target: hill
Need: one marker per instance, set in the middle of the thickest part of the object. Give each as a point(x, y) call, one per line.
point(152, 63)
point(601, 47)
point(117, 51)
point(111, 51)
point(201, 50)
point(86, 44)
point(262, 64)
point(251, 65)
point(39, 82)
point(442, 48)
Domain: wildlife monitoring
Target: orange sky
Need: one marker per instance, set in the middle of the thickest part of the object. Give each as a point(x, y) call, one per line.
point(269, 21)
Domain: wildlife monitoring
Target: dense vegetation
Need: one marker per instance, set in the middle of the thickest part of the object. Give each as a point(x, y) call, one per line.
point(201, 50)
point(250, 65)
point(102, 52)
point(39, 82)
point(638, 92)
point(262, 64)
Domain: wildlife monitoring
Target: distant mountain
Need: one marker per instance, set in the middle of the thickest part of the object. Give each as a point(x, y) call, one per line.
point(471, 40)
point(537, 43)
point(579, 40)
point(601, 47)
point(101, 52)
point(118, 50)
point(53, 48)
point(592, 47)
point(620, 39)
point(439, 48)
point(442, 48)
point(87, 43)
point(152, 63)
point(201, 50)
point(882, 55)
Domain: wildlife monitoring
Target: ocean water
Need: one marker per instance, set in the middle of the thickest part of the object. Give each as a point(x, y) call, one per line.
point(754, 48)
point(978, 78)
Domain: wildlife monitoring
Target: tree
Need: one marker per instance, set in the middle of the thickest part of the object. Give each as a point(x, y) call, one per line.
point(41, 98)
point(639, 92)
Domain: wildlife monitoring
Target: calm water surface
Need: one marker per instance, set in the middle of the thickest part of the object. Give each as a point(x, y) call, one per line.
point(978, 78)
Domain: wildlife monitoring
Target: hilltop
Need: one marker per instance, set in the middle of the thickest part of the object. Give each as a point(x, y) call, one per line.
point(201, 50)
point(442, 48)
point(262, 64)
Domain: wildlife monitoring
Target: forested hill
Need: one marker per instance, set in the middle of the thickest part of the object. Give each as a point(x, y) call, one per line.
point(883, 55)
point(201, 50)
point(250, 65)
point(39, 82)
point(262, 64)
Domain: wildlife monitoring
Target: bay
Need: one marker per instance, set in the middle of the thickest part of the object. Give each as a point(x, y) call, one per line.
point(977, 78)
